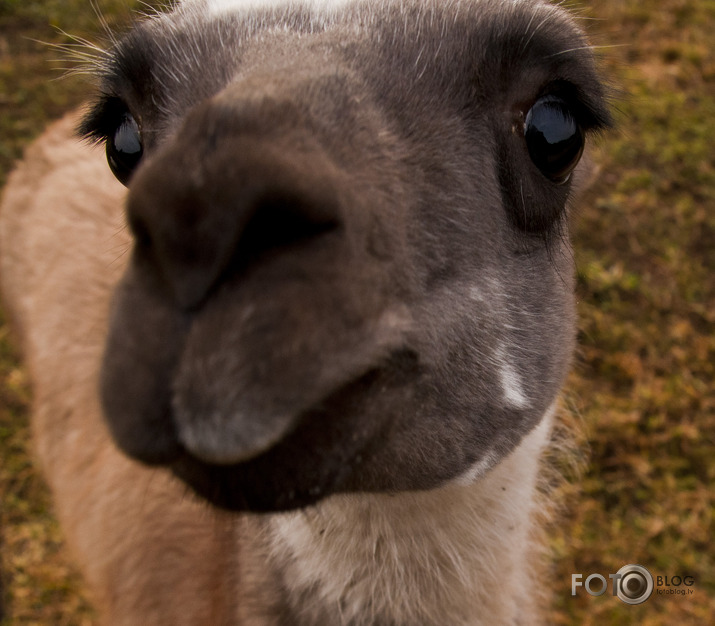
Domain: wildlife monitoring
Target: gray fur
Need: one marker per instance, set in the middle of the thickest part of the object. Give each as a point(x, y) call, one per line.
point(389, 134)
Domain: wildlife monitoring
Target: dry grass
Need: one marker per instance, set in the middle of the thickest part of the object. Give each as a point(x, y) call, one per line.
point(643, 382)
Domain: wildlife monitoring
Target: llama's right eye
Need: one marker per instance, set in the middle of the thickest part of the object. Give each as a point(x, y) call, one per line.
point(125, 149)
point(554, 138)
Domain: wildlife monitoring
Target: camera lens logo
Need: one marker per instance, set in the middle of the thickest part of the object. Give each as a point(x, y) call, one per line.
point(635, 584)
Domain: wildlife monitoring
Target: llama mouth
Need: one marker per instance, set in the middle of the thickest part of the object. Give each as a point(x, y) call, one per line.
point(231, 382)
point(231, 405)
point(240, 435)
point(316, 456)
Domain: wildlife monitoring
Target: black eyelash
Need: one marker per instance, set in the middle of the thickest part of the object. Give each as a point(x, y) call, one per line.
point(101, 120)
point(590, 113)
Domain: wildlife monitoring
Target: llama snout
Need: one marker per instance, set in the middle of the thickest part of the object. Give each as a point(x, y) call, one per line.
point(220, 198)
point(275, 284)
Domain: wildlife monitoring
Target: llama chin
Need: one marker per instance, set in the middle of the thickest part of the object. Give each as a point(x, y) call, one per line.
point(343, 318)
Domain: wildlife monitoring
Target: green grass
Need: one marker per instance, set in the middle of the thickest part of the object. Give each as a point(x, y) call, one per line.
point(643, 384)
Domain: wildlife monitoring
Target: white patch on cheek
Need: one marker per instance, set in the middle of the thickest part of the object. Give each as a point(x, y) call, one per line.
point(476, 294)
point(491, 294)
point(511, 383)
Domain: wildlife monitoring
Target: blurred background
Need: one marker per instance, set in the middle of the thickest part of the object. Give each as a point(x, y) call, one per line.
point(641, 399)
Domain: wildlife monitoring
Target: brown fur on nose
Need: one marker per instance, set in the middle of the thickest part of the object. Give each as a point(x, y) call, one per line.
point(222, 195)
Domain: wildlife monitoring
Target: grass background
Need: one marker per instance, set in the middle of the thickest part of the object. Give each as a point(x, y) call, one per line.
point(642, 390)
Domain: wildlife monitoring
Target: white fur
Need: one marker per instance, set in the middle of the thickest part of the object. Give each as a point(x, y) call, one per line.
point(428, 558)
point(511, 383)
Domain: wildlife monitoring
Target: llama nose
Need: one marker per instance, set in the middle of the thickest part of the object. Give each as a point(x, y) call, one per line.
point(202, 209)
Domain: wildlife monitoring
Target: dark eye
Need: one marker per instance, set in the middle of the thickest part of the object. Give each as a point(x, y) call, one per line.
point(125, 149)
point(554, 138)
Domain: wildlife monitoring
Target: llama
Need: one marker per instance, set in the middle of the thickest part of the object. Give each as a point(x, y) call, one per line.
point(297, 347)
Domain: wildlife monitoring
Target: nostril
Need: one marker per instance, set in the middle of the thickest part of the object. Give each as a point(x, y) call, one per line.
point(140, 231)
point(197, 239)
point(281, 221)
point(213, 216)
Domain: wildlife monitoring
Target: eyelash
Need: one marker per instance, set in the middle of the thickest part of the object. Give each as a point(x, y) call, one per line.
point(100, 123)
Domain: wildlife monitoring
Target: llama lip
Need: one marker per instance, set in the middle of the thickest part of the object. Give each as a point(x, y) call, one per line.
point(315, 458)
point(234, 439)
point(237, 394)
point(245, 433)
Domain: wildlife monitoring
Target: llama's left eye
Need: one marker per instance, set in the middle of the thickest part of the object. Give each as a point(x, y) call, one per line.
point(125, 148)
point(554, 138)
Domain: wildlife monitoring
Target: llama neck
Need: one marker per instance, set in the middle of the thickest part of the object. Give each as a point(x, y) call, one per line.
point(461, 554)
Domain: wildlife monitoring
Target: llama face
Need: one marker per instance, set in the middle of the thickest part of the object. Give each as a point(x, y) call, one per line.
point(350, 269)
